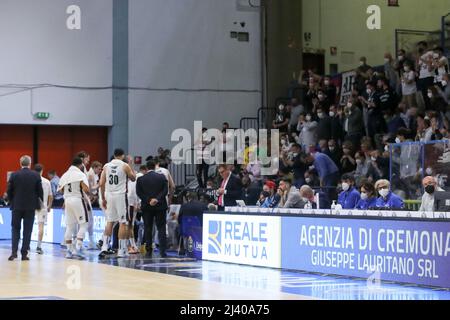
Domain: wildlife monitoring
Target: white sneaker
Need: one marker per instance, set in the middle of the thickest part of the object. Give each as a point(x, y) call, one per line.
point(69, 254)
point(79, 255)
point(122, 254)
point(92, 246)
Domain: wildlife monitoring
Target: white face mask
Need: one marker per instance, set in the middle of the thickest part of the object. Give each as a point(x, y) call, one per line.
point(281, 107)
point(308, 180)
point(331, 148)
point(369, 91)
point(397, 140)
point(386, 148)
point(331, 114)
point(283, 142)
point(400, 58)
point(358, 161)
point(373, 159)
point(383, 192)
point(444, 83)
point(429, 171)
point(320, 96)
point(364, 196)
point(361, 63)
point(349, 104)
point(406, 69)
point(326, 82)
point(320, 115)
point(435, 55)
point(430, 95)
point(308, 118)
point(345, 186)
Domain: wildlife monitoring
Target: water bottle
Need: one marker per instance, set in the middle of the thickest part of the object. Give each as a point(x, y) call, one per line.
point(308, 205)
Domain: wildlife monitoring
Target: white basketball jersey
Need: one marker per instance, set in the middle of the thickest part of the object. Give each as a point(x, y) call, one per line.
point(116, 178)
point(73, 190)
point(47, 188)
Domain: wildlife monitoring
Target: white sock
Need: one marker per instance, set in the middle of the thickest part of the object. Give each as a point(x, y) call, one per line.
point(91, 238)
point(39, 244)
point(69, 247)
point(132, 242)
point(79, 244)
point(123, 245)
point(105, 243)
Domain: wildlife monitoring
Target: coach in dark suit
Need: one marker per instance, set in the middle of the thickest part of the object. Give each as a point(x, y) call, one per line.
point(230, 188)
point(152, 189)
point(25, 194)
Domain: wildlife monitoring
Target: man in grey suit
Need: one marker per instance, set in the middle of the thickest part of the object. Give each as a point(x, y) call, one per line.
point(290, 196)
point(25, 194)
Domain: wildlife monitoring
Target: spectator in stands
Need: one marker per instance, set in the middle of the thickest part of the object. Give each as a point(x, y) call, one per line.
point(444, 89)
point(263, 196)
point(273, 198)
point(202, 168)
point(363, 166)
point(368, 197)
point(387, 97)
point(409, 87)
point(323, 100)
point(292, 160)
point(401, 60)
point(440, 64)
point(430, 186)
point(426, 71)
point(437, 102)
point(330, 90)
point(310, 198)
point(250, 191)
point(307, 128)
point(335, 152)
point(362, 74)
point(323, 124)
point(296, 110)
point(282, 118)
point(373, 117)
point(394, 120)
point(254, 172)
point(335, 124)
point(326, 169)
point(311, 179)
point(290, 196)
point(353, 123)
point(348, 162)
point(387, 199)
point(390, 72)
point(58, 199)
point(426, 131)
point(349, 196)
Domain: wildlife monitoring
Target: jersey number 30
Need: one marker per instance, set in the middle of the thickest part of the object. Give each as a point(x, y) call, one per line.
point(113, 179)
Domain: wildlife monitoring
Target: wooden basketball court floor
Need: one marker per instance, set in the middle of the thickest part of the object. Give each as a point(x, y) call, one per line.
point(51, 276)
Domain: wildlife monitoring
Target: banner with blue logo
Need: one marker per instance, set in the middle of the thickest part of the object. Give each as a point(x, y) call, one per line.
point(402, 251)
point(191, 230)
point(54, 228)
point(253, 240)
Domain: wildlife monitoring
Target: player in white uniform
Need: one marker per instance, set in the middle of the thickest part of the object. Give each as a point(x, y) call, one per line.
point(75, 185)
point(86, 158)
point(41, 214)
point(114, 190)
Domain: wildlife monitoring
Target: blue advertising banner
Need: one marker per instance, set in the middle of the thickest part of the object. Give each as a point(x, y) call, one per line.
point(191, 229)
point(55, 227)
point(5, 223)
point(402, 251)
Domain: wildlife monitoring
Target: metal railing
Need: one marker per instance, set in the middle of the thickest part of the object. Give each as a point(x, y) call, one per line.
point(249, 123)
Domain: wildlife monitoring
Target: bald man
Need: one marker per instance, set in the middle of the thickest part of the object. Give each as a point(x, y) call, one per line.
point(430, 186)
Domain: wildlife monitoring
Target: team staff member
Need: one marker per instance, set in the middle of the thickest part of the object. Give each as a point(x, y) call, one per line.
point(387, 199)
point(25, 195)
point(349, 196)
point(368, 197)
point(430, 186)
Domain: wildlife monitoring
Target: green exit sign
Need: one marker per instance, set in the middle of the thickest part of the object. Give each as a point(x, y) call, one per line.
point(42, 115)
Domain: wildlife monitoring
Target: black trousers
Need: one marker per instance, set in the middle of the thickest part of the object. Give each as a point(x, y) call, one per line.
point(202, 174)
point(150, 214)
point(16, 225)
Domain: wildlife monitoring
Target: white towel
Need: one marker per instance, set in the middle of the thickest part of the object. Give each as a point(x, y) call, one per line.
point(74, 174)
